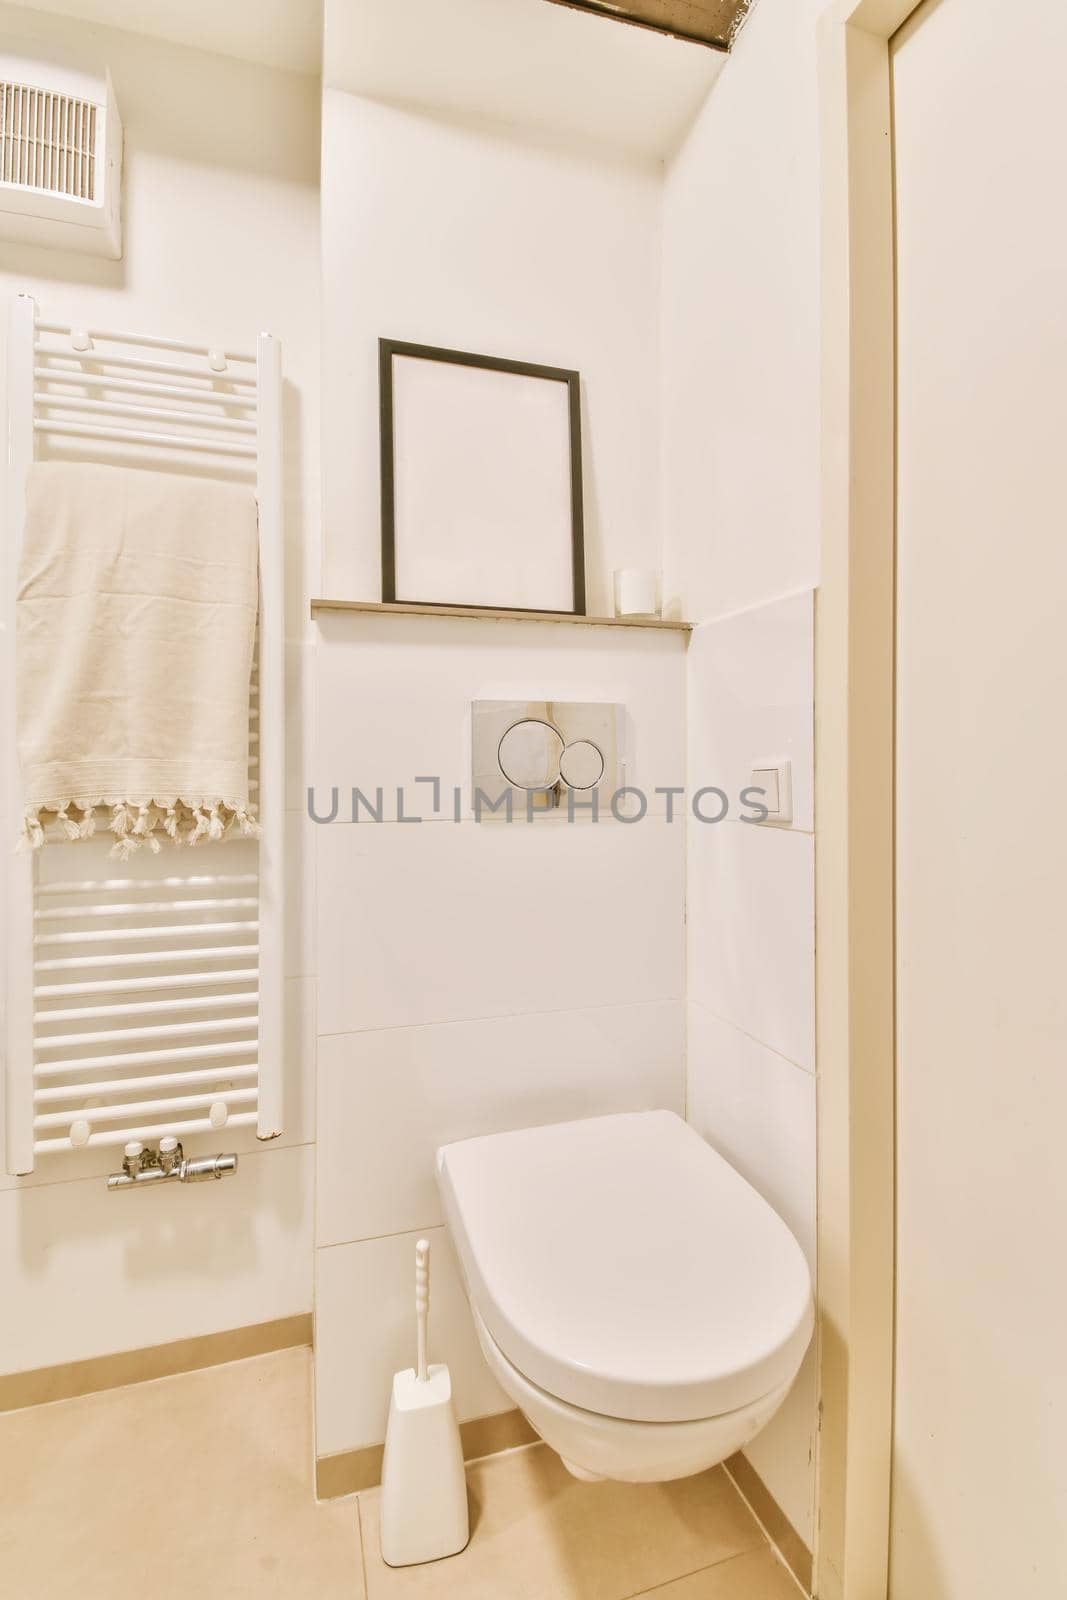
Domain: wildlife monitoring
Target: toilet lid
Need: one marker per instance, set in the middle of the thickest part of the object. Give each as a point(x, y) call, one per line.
point(625, 1267)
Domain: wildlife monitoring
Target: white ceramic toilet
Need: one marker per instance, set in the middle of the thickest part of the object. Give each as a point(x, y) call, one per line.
point(642, 1305)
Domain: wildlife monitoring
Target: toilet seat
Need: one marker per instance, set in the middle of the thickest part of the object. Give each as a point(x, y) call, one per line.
point(595, 1446)
point(622, 1266)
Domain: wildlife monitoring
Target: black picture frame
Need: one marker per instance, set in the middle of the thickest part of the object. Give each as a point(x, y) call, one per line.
point(390, 348)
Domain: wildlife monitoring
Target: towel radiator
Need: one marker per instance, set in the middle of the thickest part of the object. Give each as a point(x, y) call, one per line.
point(145, 1001)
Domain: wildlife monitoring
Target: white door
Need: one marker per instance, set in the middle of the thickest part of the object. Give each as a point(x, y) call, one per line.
point(980, 1461)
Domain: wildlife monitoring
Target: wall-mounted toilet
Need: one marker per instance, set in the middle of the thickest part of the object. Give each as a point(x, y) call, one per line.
point(642, 1305)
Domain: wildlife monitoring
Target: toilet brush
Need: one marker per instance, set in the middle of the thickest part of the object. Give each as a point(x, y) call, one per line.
point(423, 1509)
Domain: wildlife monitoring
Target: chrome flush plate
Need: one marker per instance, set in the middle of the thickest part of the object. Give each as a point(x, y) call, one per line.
point(551, 756)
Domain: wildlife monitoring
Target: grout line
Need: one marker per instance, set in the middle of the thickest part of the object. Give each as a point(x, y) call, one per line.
point(370, 1238)
point(508, 1016)
point(712, 1566)
point(362, 1545)
point(785, 1564)
point(756, 605)
point(756, 827)
point(755, 1038)
point(512, 1450)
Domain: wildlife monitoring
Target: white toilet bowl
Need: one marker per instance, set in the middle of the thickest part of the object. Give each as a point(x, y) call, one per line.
point(645, 1309)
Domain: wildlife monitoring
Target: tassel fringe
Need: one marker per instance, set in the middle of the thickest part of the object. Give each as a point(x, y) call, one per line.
point(140, 824)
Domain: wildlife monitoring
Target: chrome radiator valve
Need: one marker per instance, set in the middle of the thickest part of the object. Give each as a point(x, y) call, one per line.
point(170, 1153)
point(168, 1164)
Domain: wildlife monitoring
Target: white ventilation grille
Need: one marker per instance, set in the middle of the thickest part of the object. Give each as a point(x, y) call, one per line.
point(60, 151)
point(48, 141)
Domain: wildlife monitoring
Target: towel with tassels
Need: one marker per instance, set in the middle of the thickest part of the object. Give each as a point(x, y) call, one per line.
point(135, 629)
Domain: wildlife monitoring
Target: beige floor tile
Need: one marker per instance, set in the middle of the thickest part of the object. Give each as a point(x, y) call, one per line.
point(756, 1576)
point(538, 1534)
point(198, 1484)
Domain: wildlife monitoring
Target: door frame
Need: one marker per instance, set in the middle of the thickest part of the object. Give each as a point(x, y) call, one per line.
point(854, 719)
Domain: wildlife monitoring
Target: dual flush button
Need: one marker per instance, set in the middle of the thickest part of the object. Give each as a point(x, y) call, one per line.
point(528, 754)
point(534, 755)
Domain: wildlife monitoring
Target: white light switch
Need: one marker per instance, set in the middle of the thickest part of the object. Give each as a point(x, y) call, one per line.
point(766, 778)
point(775, 778)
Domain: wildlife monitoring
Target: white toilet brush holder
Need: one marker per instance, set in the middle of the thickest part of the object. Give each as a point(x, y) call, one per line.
point(423, 1507)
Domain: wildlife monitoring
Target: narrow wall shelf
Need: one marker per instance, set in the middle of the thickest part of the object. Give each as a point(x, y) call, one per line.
point(488, 614)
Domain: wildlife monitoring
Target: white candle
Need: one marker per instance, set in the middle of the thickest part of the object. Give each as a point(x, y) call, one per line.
point(635, 592)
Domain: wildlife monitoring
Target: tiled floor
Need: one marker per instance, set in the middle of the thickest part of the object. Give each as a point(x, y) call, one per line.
point(202, 1483)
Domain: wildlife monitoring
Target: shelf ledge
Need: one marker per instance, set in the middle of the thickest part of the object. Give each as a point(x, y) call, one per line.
point(406, 608)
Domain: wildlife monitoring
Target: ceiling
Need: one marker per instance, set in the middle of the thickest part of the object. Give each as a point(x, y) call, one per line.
point(524, 63)
point(276, 33)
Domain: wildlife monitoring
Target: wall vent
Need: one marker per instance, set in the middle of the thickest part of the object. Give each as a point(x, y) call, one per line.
point(60, 153)
point(47, 141)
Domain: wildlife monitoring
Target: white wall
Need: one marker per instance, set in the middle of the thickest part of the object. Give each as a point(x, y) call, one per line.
point(221, 240)
point(452, 234)
point(477, 977)
point(740, 332)
point(740, 499)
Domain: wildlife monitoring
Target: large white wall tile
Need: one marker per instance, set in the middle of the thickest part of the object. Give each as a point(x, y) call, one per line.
point(751, 699)
point(365, 1331)
point(395, 695)
point(387, 1099)
point(439, 922)
point(784, 1452)
point(87, 1273)
point(751, 931)
point(757, 1110)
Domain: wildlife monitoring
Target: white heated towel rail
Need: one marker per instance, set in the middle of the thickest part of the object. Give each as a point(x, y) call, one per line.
point(147, 1000)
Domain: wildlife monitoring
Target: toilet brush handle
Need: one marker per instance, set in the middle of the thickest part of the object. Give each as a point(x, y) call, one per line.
point(422, 1302)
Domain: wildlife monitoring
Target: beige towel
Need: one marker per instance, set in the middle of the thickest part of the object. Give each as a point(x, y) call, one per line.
point(136, 616)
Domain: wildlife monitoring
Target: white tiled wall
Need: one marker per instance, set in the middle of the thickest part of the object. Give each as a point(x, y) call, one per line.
point(388, 1099)
point(472, 977)
point(751, 958)
point(441, 921)
point(369, 667)
point(758, 1110)
point(364, 1332)
point(751, 915)
point(751, 689)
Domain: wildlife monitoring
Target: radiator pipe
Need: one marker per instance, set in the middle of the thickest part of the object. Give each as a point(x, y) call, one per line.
point(168, 1165)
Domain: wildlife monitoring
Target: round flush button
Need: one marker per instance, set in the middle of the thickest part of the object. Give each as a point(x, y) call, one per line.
point(529, 754)
point(581, 766)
